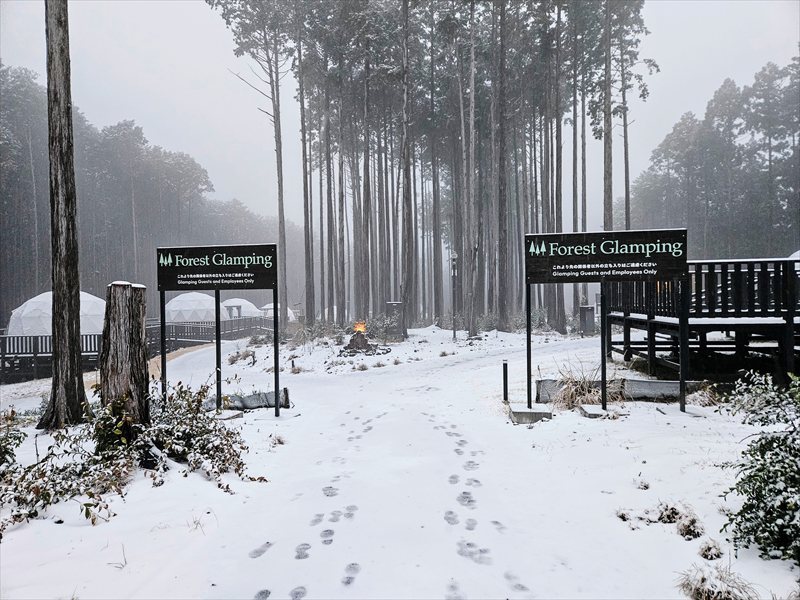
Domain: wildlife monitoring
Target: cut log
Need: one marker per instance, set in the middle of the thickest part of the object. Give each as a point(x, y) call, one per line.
point(123, 358)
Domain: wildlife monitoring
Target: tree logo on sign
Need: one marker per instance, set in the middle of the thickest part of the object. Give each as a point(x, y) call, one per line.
point(540, 250)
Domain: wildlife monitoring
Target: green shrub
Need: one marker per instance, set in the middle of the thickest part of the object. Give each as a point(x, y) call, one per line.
point(10, 437)
point(768, 478)
point(87, 462)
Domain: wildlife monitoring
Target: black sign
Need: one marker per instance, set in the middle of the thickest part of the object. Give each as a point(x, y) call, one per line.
point(217, 267)
point(651, 254)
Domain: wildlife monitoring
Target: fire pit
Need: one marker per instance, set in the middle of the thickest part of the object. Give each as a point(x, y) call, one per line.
point(359, 344)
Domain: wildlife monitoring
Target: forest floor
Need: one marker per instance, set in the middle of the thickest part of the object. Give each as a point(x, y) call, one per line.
point(406, 480)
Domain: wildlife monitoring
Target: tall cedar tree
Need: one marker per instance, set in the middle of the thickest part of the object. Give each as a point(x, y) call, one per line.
point(67, 395)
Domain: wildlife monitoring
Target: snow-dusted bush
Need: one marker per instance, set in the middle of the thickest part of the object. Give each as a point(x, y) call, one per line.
point(710, 550)
point(69, 470)
point(668, 513)
point(689, 525)
point(715, 582)
point(768, 478)
point(185, 432)
point(381, 325)
point(10, 437)
point(87, 462)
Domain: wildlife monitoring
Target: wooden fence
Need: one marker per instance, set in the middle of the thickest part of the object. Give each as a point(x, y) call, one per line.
point(24, 357)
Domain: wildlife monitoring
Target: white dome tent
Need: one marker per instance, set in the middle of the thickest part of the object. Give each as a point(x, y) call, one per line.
point(235, 308)
point(35, 316)
point(267, 308)
point(192, 307)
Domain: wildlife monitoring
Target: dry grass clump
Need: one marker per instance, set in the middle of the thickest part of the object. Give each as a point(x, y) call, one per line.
point(702, 582)
point(579, 387)
point(710, 550)
point(361, 367)
point(378, 365)
point(706, 396)
point(397, 361)
point(242, 355)
point(668, 513)
point(689, 526)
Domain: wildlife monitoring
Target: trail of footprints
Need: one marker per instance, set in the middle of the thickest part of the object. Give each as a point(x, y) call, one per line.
point(466, 499)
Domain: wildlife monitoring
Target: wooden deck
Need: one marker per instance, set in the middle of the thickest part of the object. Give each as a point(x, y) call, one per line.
point(752, 304)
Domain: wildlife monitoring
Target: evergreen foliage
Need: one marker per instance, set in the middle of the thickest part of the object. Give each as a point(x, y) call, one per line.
point(768, 478)
point(732, 177)
point(88, 462)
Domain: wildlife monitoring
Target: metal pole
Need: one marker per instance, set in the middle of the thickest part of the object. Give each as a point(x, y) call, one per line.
point(505, 381)
point(453, 294)
point(163, 311)
point(528, 341)
point(275, 343)
point(219, 350)
point(603, 343)
point(683, 333)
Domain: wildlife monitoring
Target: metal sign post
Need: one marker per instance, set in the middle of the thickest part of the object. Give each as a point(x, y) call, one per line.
point(643, 255)
point(238, 267)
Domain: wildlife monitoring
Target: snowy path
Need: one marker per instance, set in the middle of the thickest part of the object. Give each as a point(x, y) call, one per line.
point(407, 482)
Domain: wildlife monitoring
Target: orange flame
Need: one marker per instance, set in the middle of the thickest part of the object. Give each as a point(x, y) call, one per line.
point(360, 326)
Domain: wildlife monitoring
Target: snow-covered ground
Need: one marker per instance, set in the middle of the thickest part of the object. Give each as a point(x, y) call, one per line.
point(404, 481)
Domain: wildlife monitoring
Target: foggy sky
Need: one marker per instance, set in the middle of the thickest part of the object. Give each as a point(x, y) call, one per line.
point(165, 64)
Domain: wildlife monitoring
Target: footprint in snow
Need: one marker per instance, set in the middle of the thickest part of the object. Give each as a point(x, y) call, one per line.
point(451, 517)
point(330, 491)
point(327, 536)
point(459, 451)
point(499, 526)
point(302, 551)
point(351, 571)
point(298, 593)
point(471, 524)
point(453, 479)
point(262, 595)
point(474, 482)
point(260, 550)
point(462, 443)
point(471, 551)
point(471, 465)
point(335, 516)
point(513, 582)
point(453, 593)
point(317, 519)
point(466, 500)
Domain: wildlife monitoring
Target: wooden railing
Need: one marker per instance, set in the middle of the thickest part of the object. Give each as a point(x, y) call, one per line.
point(30, 356)
point(719, 288)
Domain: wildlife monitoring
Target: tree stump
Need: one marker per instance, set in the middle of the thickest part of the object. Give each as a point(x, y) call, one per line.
point(123, 358)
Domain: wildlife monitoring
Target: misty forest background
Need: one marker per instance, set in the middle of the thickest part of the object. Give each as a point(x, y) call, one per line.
point(427, 130)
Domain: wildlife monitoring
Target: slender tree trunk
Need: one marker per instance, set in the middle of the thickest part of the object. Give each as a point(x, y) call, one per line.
point(67, 394)
point(340, 288)
point(624, 83)
point(584, 286)
point(608, 208)
point(436, 238)
point(322, 297)
point(331, 215)
point(34, 213)
point(363, 280)
point(575, 287)
point(502, 200)
point(408, 240)
point(472, 229)
point(274, 77)
point(307, 223)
